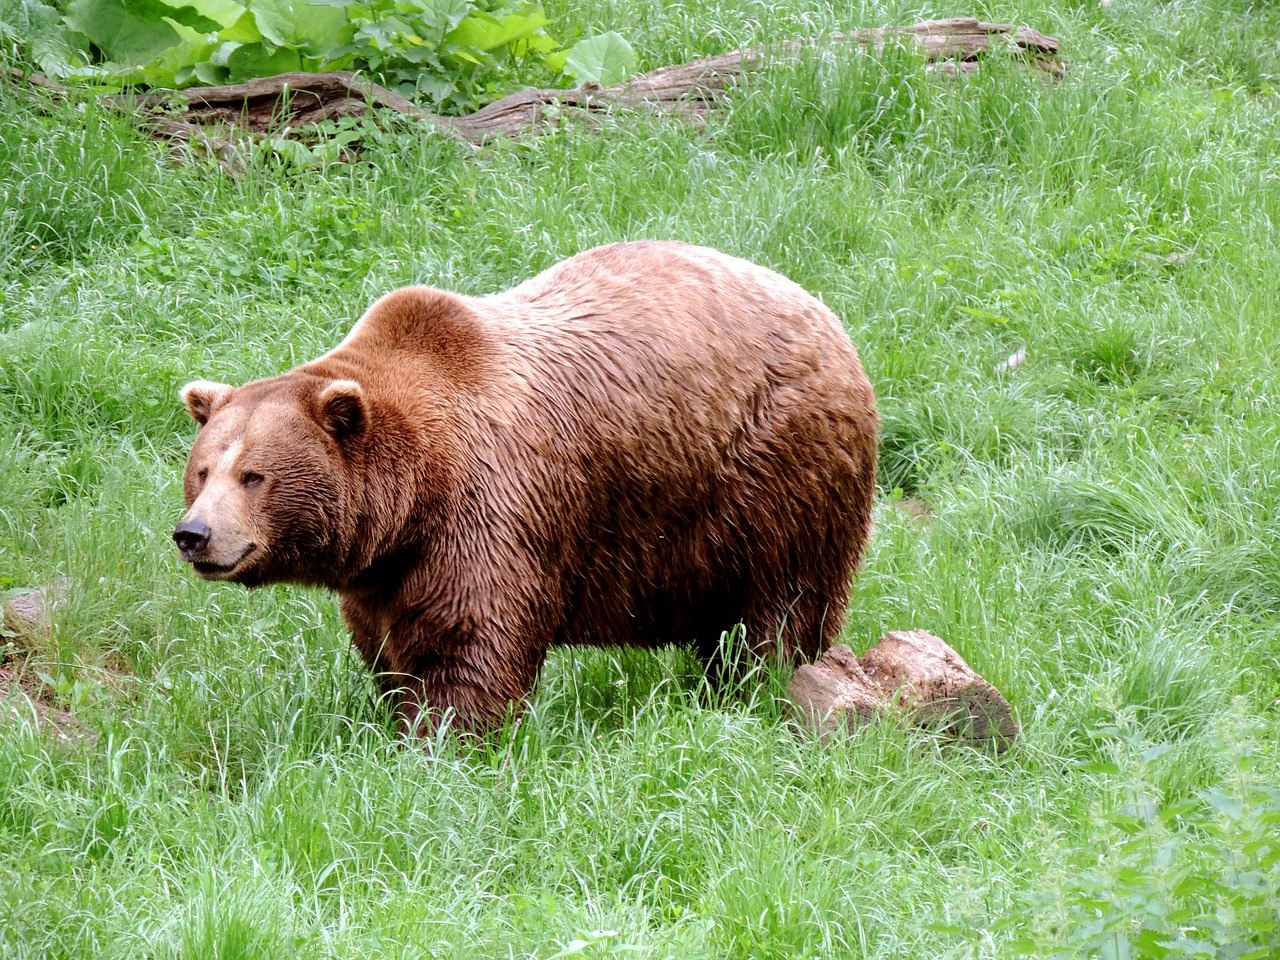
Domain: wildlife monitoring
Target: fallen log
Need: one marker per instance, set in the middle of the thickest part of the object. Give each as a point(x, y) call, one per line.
point(293, 100)
point(911, 674)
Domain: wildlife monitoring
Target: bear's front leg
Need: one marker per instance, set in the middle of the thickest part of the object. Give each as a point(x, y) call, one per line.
point(371, 642)
point(472, 687)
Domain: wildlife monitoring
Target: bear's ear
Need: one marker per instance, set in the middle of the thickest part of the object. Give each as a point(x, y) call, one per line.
point(202, 396)
point(341, 408)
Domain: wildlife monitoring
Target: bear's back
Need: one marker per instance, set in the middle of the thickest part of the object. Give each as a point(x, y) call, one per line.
point(654, 293)
point(641, 364)
point(672, 352)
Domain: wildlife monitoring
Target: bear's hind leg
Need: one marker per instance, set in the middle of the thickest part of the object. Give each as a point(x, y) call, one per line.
point(746, 638)
point(774, 628)
point(785, 627)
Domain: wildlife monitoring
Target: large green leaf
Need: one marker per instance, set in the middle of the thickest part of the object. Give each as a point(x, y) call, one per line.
point(244, 30)
point(177, 64)
point(249, 60)
point(134, 32)
point(313, 29)
point(223, 12)
point(606, 60)
point(35, 23)
point(483, 31)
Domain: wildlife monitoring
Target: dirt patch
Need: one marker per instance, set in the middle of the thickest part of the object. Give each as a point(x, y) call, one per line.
point(24, 697)
point(914, 509)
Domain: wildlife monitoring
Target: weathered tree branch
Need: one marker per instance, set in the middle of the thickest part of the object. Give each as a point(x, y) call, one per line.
point(689, 89)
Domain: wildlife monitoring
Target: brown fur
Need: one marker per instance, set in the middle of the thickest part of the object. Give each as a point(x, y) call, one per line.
point(647, 443)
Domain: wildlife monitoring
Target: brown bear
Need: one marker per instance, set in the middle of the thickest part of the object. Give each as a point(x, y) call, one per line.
point(648, 443)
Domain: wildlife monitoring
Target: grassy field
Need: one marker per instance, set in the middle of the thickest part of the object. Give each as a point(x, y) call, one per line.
point(1103, 536)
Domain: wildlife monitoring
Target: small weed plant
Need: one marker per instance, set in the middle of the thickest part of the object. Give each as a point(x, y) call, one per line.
point(1196, 878)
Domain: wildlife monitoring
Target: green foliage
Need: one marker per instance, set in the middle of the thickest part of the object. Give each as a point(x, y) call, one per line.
point(35, 31)
point(312, 29)
point(134, 32)
point(606, 59)
point(452, 54)
point(1189, 879)
point(449, 52)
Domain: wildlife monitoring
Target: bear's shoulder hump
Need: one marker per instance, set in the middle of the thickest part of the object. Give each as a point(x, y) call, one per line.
point(426, 324)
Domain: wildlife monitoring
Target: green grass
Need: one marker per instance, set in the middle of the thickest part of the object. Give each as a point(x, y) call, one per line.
point(1102, 541)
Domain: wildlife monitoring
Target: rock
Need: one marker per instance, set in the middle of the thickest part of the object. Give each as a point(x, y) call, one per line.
point(824, 693)
point(31, 614)
point(1013, 361)
point(910, 673)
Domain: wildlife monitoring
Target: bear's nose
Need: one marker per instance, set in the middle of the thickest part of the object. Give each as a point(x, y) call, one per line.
point(191, 536)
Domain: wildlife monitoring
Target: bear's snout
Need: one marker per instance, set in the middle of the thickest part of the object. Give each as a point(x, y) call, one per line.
point(214, 558)
point(191, 536)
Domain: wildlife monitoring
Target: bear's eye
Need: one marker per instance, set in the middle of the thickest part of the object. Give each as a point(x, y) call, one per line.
point(250, 480)
point(203, 475)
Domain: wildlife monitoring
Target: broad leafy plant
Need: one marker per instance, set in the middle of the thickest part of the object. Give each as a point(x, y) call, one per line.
point(451, 54)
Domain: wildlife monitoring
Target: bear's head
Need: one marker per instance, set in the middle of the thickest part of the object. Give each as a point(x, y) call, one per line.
point(271, 484)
